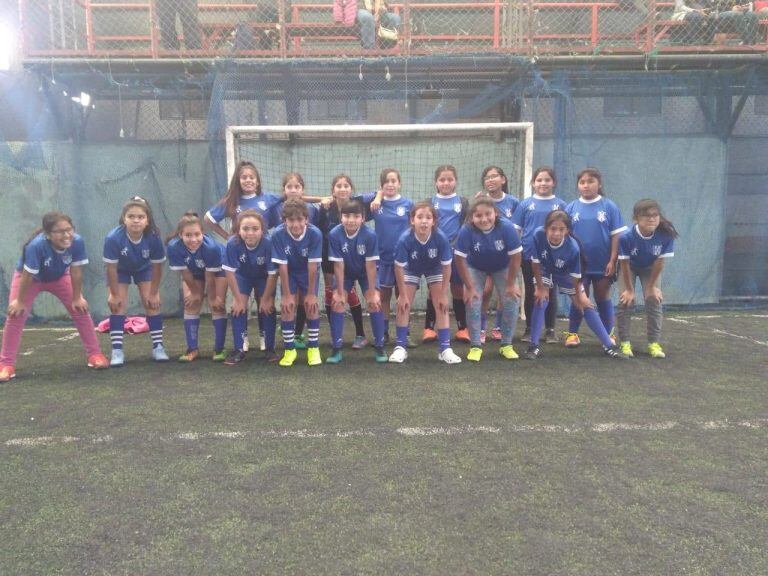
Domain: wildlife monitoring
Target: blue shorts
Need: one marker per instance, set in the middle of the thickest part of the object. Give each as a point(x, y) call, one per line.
point(349, 283)
point(247, 285)
point(200, 276)
point(433, 276)
point(455, 278)
point(298, 282)
point(564, 283)
point(587, 279)
point(125, 277)
point(386, 274)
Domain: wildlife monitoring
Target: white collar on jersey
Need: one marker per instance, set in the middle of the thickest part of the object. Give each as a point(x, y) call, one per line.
point(300, 238)
point(501, 199)
point(596, 199)
point(442, 197)
point(491, 229)
point(537, 197)
point(637, 229)
point(248, 196)
point(558, 246)
point(419, 241)
point(353, 235)
point(385, 199)
point(256, 246)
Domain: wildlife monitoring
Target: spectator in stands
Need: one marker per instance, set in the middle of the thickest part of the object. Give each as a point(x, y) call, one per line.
point(704, 18)
point(371, 15)
point(190, 24)
point(699, 23)
point(735, 16)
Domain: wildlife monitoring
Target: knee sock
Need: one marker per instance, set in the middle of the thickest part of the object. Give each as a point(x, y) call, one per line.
point(592, 318)
point(499, 314)
point(460, 312)
point(574, 319)
point(431, 315)
point(377, 325)
point(605, 309)
point(313, 332)
point(337, 329)
point(191, 330)
point(269, 325)
point(288, 329)
point(219, 332)
point(156, 329)
point(117, 330)
point(537, 322)
point(402, 336)
point(444, 337)
point(483, 322)
point(239, 330)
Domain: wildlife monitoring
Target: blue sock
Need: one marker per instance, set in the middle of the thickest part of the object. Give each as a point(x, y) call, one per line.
point(239, 330)
point(483, 321)
point(219, 333)
point(191, 330)
point(499, 314)
point(402, 336)
point(537, 322)
point(313, 333)
point(386, 325)
point(574, 319)
point(444, 337)
point(117, 330)
point(337, 329)
point(605, 308)
point(269, 325)
point(288, 328)
point(592, 318)
point(377, 325)
point(156, 329)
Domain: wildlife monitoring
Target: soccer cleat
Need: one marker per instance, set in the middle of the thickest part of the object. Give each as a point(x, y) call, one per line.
point(475, 354)
point(246, 343)
point(428, 335)
point(550, 337)
point(189, 356)
point(482, 336)
point(118, 358)
point(220, 356)
point(572, 339)
point(508, 352)
point(655, 350)
point(98, 361)
point(381, 357)
point(313, 356)
point(626, 349)
point(270, 356)
point(6, 373)
point(496, 334)
point(462, 335)
point(359, 343)
point(159, 354)
point(533, 352)
point(399, 354)
point(289, 357)
point(614, 352)
point(299, 342)
point(262, 344)
point(526, 337)
point(334, 358)
point(234, 358)
point(449, 357)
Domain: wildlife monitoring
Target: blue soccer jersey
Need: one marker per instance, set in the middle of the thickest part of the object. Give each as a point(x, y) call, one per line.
point(558, 261)
point(132, 256)
point(488, 251)
point(642, 251)
point(354, 251)
point(297, 252)
point(594, 222)
point(206, 258)
point(262, 203)
point(530, 214)
point(392, 219)
point(506, 205)
point(423, 258)
point(450, 214)
point(251, 263)
point(46, 263)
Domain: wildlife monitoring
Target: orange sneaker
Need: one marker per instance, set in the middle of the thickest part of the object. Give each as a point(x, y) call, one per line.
point(429, 335)
point(98, 361)
point(6, 373)
point(462, 335)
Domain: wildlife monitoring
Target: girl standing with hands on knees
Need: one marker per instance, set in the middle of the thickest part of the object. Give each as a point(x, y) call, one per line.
point(52, 261)
point(643, 250)
point(134, 252)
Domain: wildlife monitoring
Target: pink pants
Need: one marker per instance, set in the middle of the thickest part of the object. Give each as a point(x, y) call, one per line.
point(62, 289)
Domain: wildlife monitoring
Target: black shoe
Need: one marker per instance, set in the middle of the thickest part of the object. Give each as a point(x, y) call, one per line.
point(614, 352)
point(234, 358)
point(386, 337)
point(271, 356)
point(533, 352)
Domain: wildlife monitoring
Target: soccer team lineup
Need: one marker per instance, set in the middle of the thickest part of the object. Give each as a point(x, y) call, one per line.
point(470, 251)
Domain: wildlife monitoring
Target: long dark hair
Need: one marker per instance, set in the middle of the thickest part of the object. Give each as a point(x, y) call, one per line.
point(482, 201)
point(250, 213)
point(562, 216)
point(595, 173)
point(189, 218)
point(232, 198)
point(549, 170)
point(140, 202)
point(50, 219)
point(504, 187)
point(646, 204)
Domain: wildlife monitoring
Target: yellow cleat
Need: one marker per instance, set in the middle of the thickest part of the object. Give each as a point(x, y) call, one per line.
point(475, 354)
point(508, 352)
point(626, 349)
point(313, 357)
point(572, 340)
point(289, 357)
point(655, 350)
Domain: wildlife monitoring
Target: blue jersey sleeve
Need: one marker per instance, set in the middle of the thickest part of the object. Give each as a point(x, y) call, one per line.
point(371, 246)
point(334, 246)
point(217, 213)
point(574, 262)
point(518, 218)
point(668, 251)
point(463, 242)
point(32, 257)
point(278, 250)
point(511, 240)
point(79, 257)
point(539, 239)
point(316, 245)
point(401, 250)
point(615, 221)
point(176, 255)
point(446, 253)
point(625, 245)
point(212, 252)
point(111, 252)
point(231, 257)
point(156, 249)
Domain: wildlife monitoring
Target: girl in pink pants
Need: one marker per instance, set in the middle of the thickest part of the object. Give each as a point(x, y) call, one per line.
point(51, 261)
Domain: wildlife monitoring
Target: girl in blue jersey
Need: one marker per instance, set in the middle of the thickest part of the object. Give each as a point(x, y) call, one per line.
point(643, 249)
point(198, 258)
point(528, 216)
point(556, 259)
point(297, 250)
point(328, 218)
point(495, 187)
point(392, 220)
point(423, 251)
point(451, 211)
point(488, 247)
point(134, 252)
point(598, 225)
point(249, 269)
point(52, 261)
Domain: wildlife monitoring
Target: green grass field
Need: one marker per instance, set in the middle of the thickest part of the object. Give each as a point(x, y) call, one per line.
point(575, 464)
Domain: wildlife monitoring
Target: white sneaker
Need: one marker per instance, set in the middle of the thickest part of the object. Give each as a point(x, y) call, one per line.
point(399, 354)
point(118, 357)
point(159, 354)
point(449, 357)
point(262, 343)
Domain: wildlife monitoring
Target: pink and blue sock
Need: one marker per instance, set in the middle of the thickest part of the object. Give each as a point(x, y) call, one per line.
point(156, 329)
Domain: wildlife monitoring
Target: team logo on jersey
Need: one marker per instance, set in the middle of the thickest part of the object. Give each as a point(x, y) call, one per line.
point(477, 246)
point(361, 249)
point(499, 244)
point(187, 259)
point(508, 213)
point(261, 204)
point(145, 253)
point(555, 207)
point(415, 255)
point(199, 263)
point(544, 253)
point(456, 208)
point(260, 260)
point(559, 263)
point(400, 210)
point(602, 216)
point(67, 259)
point(47, 261)
point(304, 252)
point(432, 253)
point(634, 252)
point(242, 258)
point(124, 251)
point(657, 249)
point(531, 207)
point(287, 250)
point(576, 218)
point(345, 247)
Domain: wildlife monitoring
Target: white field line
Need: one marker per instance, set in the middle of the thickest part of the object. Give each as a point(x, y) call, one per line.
point(71, 336)
point(717, 331)
point(407, 432)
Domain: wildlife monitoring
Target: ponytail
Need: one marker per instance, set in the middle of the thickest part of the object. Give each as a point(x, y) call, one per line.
point(50, 219)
